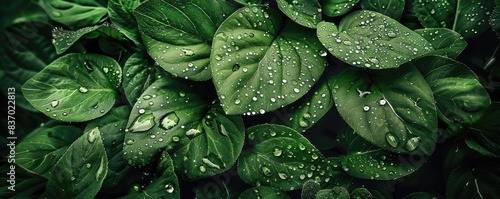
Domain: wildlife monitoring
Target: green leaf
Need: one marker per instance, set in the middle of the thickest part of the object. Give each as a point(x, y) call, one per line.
point(168, 115)
point(263, 192)
point(334, 193)
point(334, 8)
point(121, 14)
point(420, 195)
point(75, 87)
point(495, 18)
point(282, 158)
point(459, 95)
point(164, 185)
point(366, 161)
point(477, 181)
point(139, 73)
point(446, 42)
point(64, 39)
point(391, 8)
point(42, 148)
point(371, 40)
point(75, 14)
point(394, 112)
point(21, 11)
point(81, 170)
point(111, 127)
point(483, 135)
point(304, 12)
point(311, 108)
point(27, 185)
point(361, 193)
point(22, 57)
point(261, 68)
point(469, 18)
point(178, 34)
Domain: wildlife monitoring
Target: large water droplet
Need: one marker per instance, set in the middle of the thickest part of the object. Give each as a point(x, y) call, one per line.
point(277, 151)
point(391, 140)
point(210, 163)
point(193, 132)
point(143, 123)
point(412, 143)
point(303, 123)
point(366, 108)
point(93, 134)
point(266, 171)
point(169, 121)
point(54, 103)
point(83, 89)
point(283, 176)
point(202, 169)
point(170, 188)
point(187, 52)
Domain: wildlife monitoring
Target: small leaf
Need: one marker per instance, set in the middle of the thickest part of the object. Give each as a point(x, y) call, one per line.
point(81, 170)
point(366, 161)
point(282, 158)
point(304, 12)
point(64, 39)
point(139, 72)
point(263, 192)
point(165, 184)
point(334, 8)
point(483, 135)
point(42, 148)
point(446, 42)
point(75, 87)
point(75, 14)
point(369, 39)
point(391, 8)
point(395, 113)
point(477, 181)
point(178, 34)
point(257, 67)
point(121, 14)
point(459, 95)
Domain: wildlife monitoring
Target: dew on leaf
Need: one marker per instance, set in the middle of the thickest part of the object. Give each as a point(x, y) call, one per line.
point(83, 89)
point(169, 121)
point(143, 123)
point(391, 140)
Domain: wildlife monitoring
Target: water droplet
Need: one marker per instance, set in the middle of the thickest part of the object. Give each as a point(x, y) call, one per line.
point(83, 89)
point(88, 165)
point(182, 94)
point(56, 13)
point(374, 60)
point(236, 67)
point(237, 101)
point(391, 140)
point(193, 132)
point(73, 178)
point(93, 134)
point(366, 108)
point(391, 34)
point(303, 123)
point(54, 103)
point(170, 188)
point(130, 142)
point(210, 163)
point(142, 111)
point(266, 171)
point(105, 70)
point(314, 156)
point(382, 102)
point(146, 97)
point(175, 139)
point(187, 52)
point(302, 146)
point(202, 169)
point(283, 176)
point(143, 123)
point(277, 151)
point(412, 143)
point(169, 121)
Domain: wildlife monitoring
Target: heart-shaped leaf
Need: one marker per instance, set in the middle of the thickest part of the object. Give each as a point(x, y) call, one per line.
point(75, 87)
point(282, 158)
point(369, 39)
point(178, 34)
point(257, 67)
point(395, 113)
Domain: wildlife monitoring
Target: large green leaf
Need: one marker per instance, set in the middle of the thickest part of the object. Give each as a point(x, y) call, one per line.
point(165, 185)
point(369, 39)
point(75, 87)
point(333, 8)
point(480, 180)
point(42, 148)
point(446, 42)
point(178, 34)
point(282, 158)
point(304, 12)
point(27, 185)
point(483, 136)
point(139, 72)
point(311, 108)
point(81, 170)
point(22, 56)
point(111, 127)
point(203, 140)
point(263, 192)
point(21, 11)
point(366, 161)
point(75, 13)
point(258, 67)
point(394, 112)
point(459, 95)
point(121, 14)
point(64, 39)
point(469, 18)
point(391, 8)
